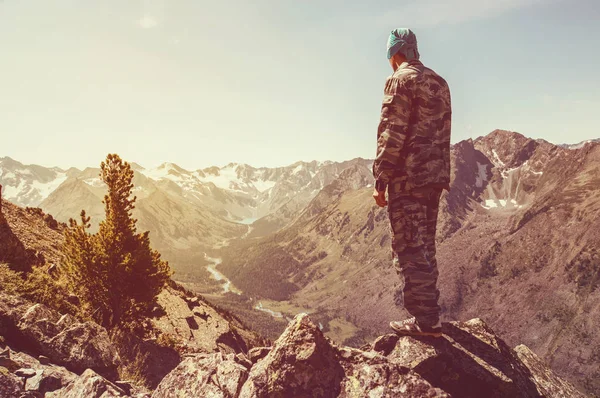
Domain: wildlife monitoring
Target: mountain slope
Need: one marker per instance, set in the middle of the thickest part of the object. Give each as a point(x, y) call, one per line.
point(518, 229)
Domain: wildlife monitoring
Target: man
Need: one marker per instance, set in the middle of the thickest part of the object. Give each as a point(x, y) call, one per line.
point(413, 164)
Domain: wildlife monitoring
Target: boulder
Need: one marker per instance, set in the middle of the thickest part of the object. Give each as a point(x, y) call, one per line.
point(303, 362)
point(204, 375)
point(470, 360)
point(369, 374)
point(46, 378)
point(90, 385)
point(63, 339)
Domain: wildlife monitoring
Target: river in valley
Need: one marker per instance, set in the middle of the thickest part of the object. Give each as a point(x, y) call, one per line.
point(228, 286)
point(212, 268)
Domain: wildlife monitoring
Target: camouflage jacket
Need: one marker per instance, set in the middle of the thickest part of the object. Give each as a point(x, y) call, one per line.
point(413, 138)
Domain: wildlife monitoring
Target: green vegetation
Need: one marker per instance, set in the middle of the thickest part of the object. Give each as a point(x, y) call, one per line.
point(340, 330)
point(273, 270)
point(114, 272)
point(37, 286)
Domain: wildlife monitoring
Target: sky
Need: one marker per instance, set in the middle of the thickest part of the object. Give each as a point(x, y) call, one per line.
point(271, 82)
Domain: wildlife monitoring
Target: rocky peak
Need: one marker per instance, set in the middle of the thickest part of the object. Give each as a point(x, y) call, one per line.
point(468, 361)
point(508, 150)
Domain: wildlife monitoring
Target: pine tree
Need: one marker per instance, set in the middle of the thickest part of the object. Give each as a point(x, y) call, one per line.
point(117, 273)
point(84, 273)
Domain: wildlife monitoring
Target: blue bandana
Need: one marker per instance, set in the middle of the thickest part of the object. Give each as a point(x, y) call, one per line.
point(404, 41)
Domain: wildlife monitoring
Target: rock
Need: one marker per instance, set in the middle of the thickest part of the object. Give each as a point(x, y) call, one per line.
point(468, 361)
point(44, 360)
point(89, 385)
point(61, 338)
point(5, 353)
point(50, 379)
point(369, 374)
point(192, 301)
point(386, 343)
point(7, 362)
point(124, 385)
point(548, 384)
point(257, 353)
point(25, 372)
point(214, 375)
point(243, 360)
point(10, 385)
point(199, 327)
point(303, 362)
point(47, 377)
point(200, 313)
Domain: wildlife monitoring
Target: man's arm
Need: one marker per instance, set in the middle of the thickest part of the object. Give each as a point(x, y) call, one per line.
point(393, 129)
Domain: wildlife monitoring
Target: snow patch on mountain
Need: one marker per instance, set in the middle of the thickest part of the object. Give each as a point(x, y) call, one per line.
point(500, 203)
point(24, 186)
point(94, 182)
point(498, 162)
point(45, 189)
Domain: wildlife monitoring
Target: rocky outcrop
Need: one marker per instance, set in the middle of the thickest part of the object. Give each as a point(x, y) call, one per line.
point(89, 385)
point(37, 329)
point(546, 381)
point(468, 361)
point(34, 376)
point(24, 376)
point(471, 361)
point(302, 361)
point(196, 326)
point(204, 375)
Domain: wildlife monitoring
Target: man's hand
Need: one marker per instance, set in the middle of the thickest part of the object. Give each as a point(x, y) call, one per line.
point(379, 197)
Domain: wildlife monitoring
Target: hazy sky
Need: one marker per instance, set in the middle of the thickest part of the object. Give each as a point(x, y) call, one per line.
point(270, 82)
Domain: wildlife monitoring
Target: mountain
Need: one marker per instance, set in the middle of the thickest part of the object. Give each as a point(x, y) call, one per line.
point(188, 213)
point(29, 185)
point(518, 229)
point(187, 347)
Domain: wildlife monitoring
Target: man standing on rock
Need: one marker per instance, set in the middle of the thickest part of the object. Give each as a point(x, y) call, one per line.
point(413, 165)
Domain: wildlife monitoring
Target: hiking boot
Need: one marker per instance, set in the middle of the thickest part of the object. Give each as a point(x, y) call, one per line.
point(410, 327)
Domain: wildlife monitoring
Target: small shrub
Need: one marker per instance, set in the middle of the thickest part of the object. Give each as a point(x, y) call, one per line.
point(11, 281)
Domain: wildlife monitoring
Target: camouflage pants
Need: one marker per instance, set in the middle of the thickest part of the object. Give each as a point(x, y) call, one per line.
point(413, 217)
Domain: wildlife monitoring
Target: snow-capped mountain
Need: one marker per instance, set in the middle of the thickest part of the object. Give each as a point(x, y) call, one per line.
point(244, 193)
point(29, 185)
point(187, 212)
point(236, 192)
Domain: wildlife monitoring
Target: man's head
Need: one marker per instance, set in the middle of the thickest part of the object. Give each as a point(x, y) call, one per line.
point(401, 47)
